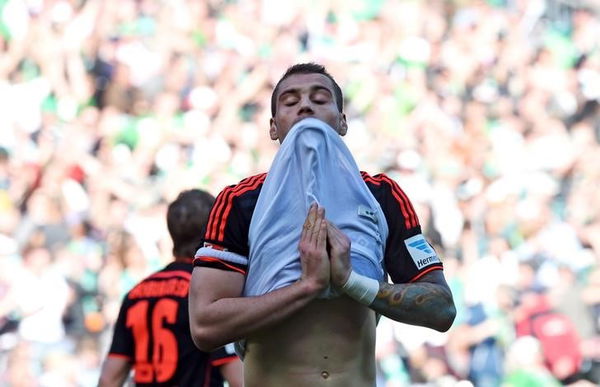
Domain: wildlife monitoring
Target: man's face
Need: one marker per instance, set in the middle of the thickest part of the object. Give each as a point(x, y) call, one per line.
point(305, 95)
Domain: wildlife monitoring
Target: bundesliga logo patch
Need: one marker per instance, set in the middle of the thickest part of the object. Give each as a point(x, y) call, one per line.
point(421, 251)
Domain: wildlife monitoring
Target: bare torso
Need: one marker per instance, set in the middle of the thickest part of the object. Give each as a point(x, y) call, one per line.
point(328, 343)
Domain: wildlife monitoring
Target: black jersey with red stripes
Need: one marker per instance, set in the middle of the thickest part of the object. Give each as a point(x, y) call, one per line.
point(153, 333)
point(408, 255)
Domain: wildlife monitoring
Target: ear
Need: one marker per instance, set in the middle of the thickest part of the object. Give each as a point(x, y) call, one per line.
point(343, 125)
point(273, 130)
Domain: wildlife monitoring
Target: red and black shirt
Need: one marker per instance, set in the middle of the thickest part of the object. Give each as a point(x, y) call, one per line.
point(408, 255)
point(153, 332)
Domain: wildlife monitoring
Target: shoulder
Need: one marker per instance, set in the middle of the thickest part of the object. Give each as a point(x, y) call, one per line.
point(176, 274)
point(174, 269)
point(231, 213)
point(246, 190)
point(149, 277)
point(391, 197)
point(382, 183)
point(380, 179)
point(245, 185)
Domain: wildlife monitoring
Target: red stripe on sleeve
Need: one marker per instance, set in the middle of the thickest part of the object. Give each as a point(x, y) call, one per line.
point(218, 216)
point(436, 267)
point(367, 178)
point(252, 184)
point(225, 360)
point(408, 212)
point(213, 217)
point(215, 214)
point(411, 216)
point(175, 273)
point(119, 356)
point(224, 263)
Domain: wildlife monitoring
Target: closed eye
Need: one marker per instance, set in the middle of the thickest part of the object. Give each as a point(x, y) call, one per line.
point(321, 96)
point(289, 99)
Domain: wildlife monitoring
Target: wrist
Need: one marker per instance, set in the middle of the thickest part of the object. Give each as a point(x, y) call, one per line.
point(340, 279)
point(311, 288)
point(361, 288)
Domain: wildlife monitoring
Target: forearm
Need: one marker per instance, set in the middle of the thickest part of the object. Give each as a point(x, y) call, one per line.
point(114, 372)
point(231, 318)
point(106, 382)
point(427, 302)
point(420, 303)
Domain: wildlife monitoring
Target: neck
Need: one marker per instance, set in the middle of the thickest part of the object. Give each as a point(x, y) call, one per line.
point(184, 259)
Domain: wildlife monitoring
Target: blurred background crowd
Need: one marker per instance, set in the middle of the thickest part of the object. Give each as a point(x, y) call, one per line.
point(485, 112)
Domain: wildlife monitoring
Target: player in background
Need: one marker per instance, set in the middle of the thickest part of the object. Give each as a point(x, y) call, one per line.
point(152, 332)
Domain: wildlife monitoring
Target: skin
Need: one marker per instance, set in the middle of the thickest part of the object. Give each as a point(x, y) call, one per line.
point(114, 372)
point(293, 338)
point(305, 95)
point(233, 372)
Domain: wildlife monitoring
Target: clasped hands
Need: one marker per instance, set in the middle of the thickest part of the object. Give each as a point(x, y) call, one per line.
point(324, 251)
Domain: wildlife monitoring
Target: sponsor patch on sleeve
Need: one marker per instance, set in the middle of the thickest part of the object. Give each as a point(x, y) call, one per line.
point(421, 251)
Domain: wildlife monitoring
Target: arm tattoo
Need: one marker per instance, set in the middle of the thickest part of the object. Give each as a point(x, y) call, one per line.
point(407, 296)
point(418, 303)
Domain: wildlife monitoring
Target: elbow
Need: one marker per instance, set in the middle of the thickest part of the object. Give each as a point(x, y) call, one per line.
point(445, 318)
point(445, 314)
point(206, 338)
point(201, 330)
point(203, 339)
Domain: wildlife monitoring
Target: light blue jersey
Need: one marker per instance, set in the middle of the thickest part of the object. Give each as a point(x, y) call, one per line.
point(313, 164)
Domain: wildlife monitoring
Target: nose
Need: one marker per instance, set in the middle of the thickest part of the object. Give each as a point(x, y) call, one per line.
point(305, 106)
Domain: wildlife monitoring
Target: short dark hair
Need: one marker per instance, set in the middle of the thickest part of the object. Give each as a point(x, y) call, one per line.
point(308, 68)
point(186, 220)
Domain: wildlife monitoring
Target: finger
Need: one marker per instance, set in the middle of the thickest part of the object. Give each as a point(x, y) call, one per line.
point(336, 236)
point(309, 221)
point(305, 230)
point(332, 238)
point(322, 235)
point(312, 213)
point(330, 228)
point(333, 232)
point(303, 233)
point(336, 231)
point(320, 215)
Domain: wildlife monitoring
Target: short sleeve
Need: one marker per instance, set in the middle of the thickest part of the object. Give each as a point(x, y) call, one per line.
point(225, 242)
point(408, 255)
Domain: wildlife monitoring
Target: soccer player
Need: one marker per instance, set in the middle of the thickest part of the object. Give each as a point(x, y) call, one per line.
point(152, 332)
point(295, 264)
